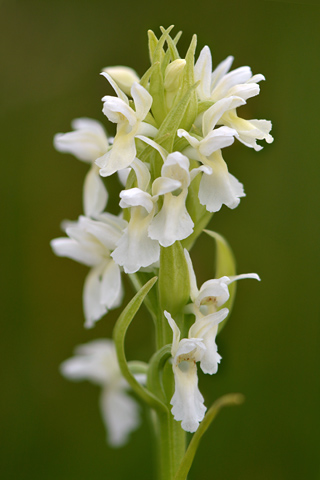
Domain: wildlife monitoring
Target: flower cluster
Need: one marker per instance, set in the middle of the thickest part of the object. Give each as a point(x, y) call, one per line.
point(172, 125)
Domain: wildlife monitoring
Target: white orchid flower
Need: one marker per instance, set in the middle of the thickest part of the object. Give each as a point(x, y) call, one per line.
point(91, 242)
point(213, 293)
point(87, 142)
point(240, 83)
point(187, 401)
point(249, 131)
point(173, 221)
point(221, 83)
point(217, 186)
point(129, 124)
point(205, 303)
point(97, 362)
point(136, 248)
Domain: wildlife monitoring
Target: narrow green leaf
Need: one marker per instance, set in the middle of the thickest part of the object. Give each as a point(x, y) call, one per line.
point(152, 44)
point(145, 78)
point(119, 334)
point(187, 82)
point(225, 265)
point(151, 301)
point(172, 45)
point(156, 88)
point(226, 400)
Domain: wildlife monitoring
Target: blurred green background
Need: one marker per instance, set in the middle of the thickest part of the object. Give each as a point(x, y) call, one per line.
point(51, 56)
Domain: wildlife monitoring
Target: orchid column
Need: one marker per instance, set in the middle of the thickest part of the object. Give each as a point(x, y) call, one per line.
point(171, 127)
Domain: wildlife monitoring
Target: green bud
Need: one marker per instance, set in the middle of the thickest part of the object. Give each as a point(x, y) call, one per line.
point(172, 80)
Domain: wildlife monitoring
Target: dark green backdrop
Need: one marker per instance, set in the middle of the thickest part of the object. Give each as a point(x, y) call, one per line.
point(51, 55)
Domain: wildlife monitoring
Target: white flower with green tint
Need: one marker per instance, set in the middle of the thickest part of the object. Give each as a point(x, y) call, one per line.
point(217, 187)
point(206, 302)
point(91, 242)
point(129, 124)
point(87, 142)
point(187, 401)
point(221, 83)
point(97, 362)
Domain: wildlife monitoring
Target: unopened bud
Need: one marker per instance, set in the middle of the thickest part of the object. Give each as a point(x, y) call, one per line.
point(123, 76)
point(173, 75)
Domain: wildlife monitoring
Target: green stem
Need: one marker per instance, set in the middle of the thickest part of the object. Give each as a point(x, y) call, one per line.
point(171, 446)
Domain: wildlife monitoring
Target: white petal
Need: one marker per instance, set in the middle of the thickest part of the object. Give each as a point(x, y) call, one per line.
point(114, 221)
point(120, 414)
point(243, 275)
point(163, 185)
point(95, 361)
point(194, 142)
point(214, 291)
point(105, 233)
point(95, 195)
point(202, 72)
point(134, 197)
point(118, 111)
point(123, 76)
point(142, 100)
point(211, 359)
point(123, 175)
point(121, 155)
point(194, 292)
point(110, 288)
point(221, 187)
point(249, 130)
point(113, 84)
point(203, 325)
point(173, 222)
point(176, 333)
point(142, 173)
point(135, 248)
point(93, 309)
point(217, 139)
point(187, 401)
point(245, 91)
point(87, 142)
point(67, 247)
point(177, 166)
point(213, 114)
point(221, 70)
point(238, 76)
